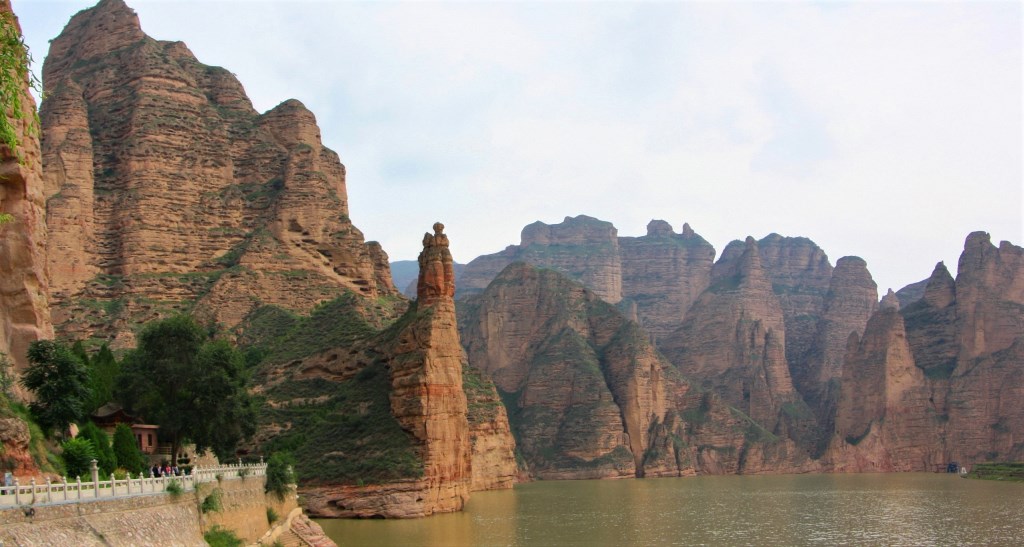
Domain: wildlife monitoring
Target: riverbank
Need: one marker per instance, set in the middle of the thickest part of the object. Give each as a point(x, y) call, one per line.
point(1013, 472)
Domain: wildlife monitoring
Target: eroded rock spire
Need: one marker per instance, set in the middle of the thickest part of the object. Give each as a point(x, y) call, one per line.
point(437, 275)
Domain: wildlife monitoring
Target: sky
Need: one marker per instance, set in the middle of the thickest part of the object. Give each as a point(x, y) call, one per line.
point(885, 130)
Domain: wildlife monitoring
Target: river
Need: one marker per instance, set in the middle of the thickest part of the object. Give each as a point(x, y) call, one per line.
point(874, 509)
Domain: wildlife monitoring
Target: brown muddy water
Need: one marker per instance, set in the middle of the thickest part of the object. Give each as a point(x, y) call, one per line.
point(855, 509)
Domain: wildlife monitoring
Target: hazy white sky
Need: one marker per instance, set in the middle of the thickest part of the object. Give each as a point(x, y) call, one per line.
point(879, 129)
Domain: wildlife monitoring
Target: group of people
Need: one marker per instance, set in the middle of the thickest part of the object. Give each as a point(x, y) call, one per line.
point(165, 470)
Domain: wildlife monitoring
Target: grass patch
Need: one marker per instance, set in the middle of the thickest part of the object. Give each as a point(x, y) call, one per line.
point(219, 537)
point(1011, 472)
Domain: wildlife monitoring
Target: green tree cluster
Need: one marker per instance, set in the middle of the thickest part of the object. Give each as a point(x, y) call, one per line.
point(104, 371)
point(78, 454)
point(192, 386)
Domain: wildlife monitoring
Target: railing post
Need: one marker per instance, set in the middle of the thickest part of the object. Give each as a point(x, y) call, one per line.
point(32, 484)
point(64, 483)
point(17, 492)
point(49, 490)
point(95, 479)
point(78, 489)
point(128, 482)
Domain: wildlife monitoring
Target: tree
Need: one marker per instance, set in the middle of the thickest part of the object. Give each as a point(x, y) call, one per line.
point(101, 444)
point(192, 387)
point(103, 372)
point(280, 474)
point(126, 450)
point(78, 454)
point(59, 381)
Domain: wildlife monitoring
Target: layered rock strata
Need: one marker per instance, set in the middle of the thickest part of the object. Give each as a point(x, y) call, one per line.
point(169, 192)
point(733, 340)
point(590, 397)
point(940, 379)
point(24, 308)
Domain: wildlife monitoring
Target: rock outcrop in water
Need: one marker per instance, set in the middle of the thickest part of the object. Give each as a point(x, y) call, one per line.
point(401, 438)
point(169, 192)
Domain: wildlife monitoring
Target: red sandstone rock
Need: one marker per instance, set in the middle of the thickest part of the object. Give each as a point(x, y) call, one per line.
point(24, 309)
point(169, 193)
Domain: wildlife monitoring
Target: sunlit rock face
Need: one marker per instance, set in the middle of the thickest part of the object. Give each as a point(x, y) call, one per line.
point(168, 192)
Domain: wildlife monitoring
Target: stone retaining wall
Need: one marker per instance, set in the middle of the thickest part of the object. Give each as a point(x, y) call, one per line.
point(156, 519)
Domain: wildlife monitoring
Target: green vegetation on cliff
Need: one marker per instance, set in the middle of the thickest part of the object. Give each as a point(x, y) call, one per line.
point(341, 433)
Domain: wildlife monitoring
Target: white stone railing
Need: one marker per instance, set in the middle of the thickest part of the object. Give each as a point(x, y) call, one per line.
point(49, 492)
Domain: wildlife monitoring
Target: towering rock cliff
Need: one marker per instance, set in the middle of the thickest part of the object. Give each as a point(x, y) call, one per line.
point(24, 311)
point(663, 273)
point(940, 380)
point(882, 410)
point(733, 340)
point(168, 191)
point(396, 435)
point(590, 397)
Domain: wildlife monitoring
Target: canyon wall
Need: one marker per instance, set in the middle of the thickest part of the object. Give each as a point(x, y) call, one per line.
point(589, 396)
point(940, 379)
point(801, 349)
point(24, 309)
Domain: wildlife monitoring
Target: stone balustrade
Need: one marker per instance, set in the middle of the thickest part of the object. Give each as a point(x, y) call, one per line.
point(48, 492)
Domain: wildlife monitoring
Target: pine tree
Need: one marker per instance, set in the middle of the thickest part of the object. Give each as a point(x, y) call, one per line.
point(126, 450)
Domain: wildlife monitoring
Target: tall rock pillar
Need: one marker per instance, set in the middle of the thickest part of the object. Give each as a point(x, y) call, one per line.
point(426, 375)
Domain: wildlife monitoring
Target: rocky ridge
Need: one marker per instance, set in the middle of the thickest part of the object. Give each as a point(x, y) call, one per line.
point(168, 192)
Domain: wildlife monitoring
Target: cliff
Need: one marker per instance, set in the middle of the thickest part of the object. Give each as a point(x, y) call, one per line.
point(940, 379)
point(24, 308)
point(589, 396)
point(168, 192)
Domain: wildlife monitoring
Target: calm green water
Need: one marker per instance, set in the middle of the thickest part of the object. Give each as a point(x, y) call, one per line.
point(873, 509)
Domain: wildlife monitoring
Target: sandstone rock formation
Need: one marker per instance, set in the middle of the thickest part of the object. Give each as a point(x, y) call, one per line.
point(663, 273)
point(583, 248)
point(658, 276)
point(399, 438)
point(24, 310)
point(883, 402)
point(169, 192)
point(590, 397)
point(940, 379)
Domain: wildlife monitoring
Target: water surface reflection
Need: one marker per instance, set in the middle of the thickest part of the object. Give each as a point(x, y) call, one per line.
point(890, 509)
